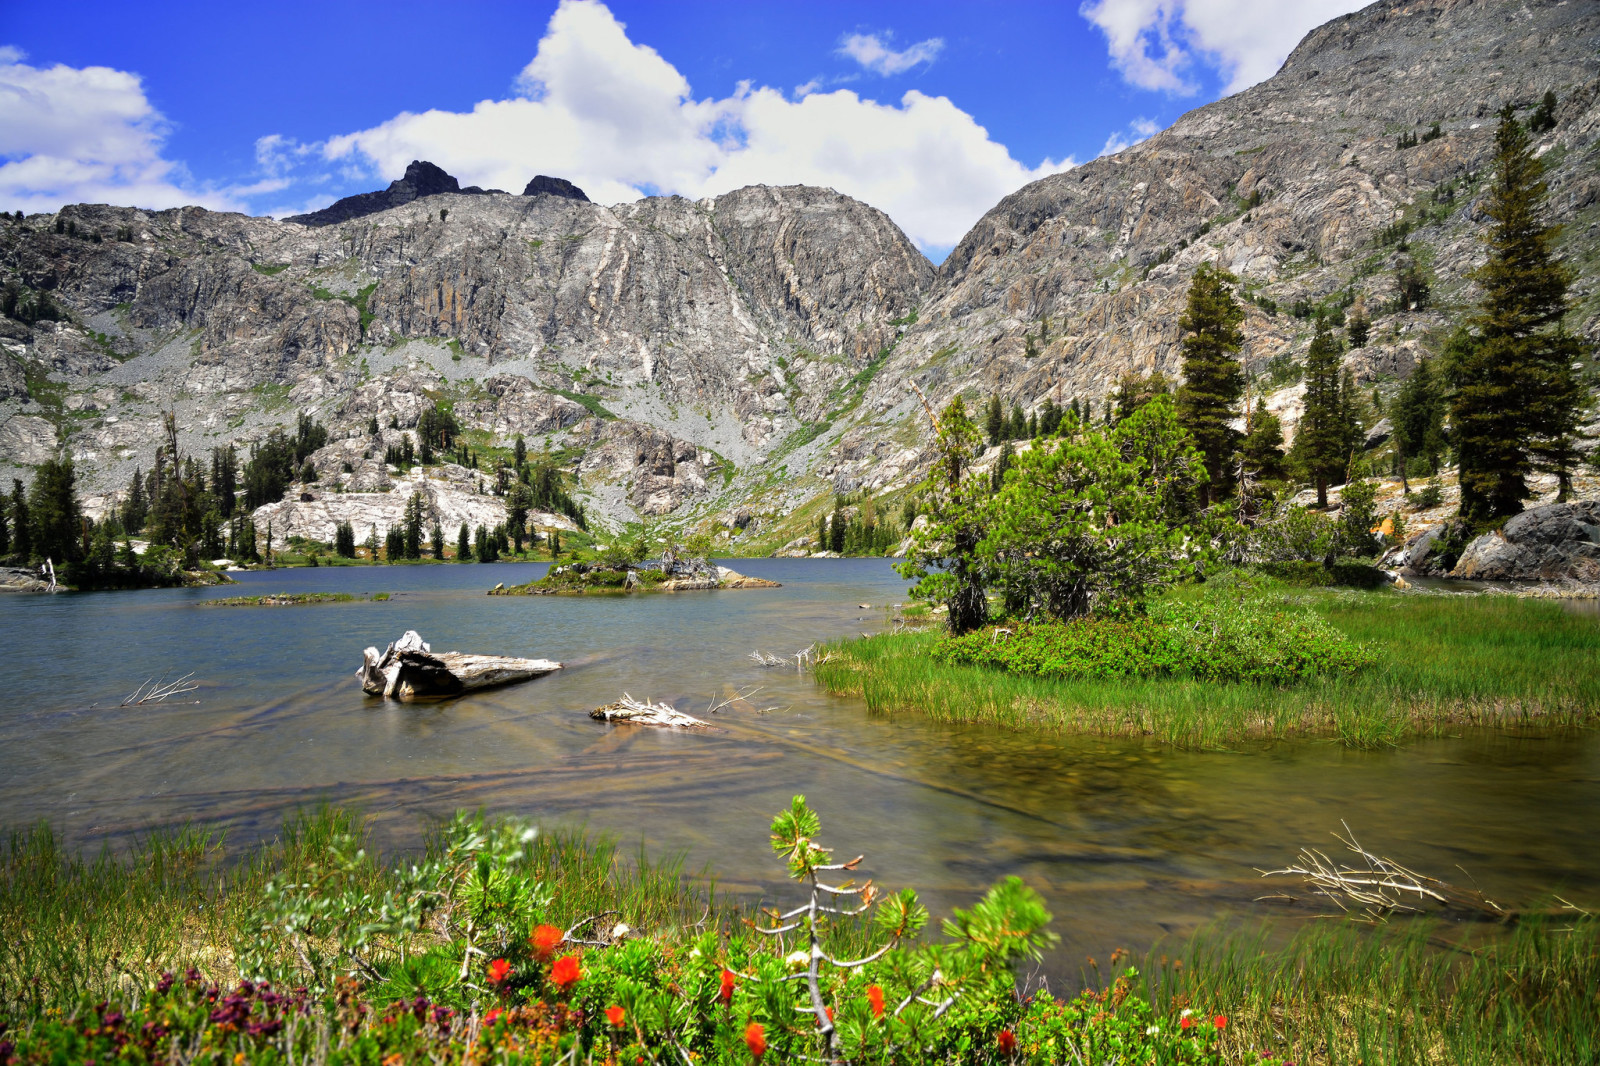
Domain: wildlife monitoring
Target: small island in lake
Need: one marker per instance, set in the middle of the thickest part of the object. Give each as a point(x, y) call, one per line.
point(671, 573)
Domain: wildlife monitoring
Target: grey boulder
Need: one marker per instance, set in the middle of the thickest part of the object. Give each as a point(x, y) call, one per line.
point(1556, 542)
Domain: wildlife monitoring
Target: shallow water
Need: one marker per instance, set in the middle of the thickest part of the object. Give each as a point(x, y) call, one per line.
point(1129, 841)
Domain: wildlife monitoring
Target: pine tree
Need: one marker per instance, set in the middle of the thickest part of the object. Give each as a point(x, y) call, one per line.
point(1321, 444)
point(136, 507)
point(1515, 401)
point(5, 533)
point(995, 421)
point(1261, 449)
point(438, 540)
point(1213, 375)
point(1019, 423)
point(1357, 325)
point(1417, 415)
point(55, 520)
point(1544, 116)
point(21, 532)
point(463, 546)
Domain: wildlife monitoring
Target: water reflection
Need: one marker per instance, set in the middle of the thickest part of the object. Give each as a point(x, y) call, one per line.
point(1127, 839)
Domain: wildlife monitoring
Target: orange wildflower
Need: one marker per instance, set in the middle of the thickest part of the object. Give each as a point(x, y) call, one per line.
point(615, 1015)
point(545, 940)
point(875, 999)
point(755, 1038)
point(499, 970)
point(565, 973)
point(1007, 1041)
point(726, 993)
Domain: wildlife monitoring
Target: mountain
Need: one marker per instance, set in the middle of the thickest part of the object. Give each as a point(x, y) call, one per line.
point(1079, 277)
point(733, 358)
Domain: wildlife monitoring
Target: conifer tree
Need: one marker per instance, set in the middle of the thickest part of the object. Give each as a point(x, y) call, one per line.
point(1261, 449)
point(1322, 442)
point(1019, 423)
point(1544, 116)
point(5, 533)
point(136, 507)
point(438, 540)
point(943, 557)
point(995, 420)
point(463, 545)
point(1357, 325)
point(1515, 400)
point(1213, 375)
point(21, 533)
point(55, 519)
point(1417, 415)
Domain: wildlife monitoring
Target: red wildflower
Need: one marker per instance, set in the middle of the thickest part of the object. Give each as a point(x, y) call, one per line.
point(1007, 1041)
point(1220, 1021)
point(492, 1017)
point(726, 994)
point(615, 1015)
point(545, 940)
point(829, 1012)
point(565, 973)
point(755, 1038)
point(875, 998)
point(1186, 1023)
point(499, 970)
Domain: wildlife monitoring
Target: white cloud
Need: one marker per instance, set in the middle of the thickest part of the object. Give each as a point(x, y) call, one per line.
point(1140, 129)
point(89, 135)
point(617, 119)
point(875, 54)
point(1156, 44)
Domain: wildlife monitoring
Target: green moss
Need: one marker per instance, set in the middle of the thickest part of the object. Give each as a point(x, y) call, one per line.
point(269, 269)
point(591, 403)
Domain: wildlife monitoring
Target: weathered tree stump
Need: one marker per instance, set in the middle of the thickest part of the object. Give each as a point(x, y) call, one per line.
point(643, 712)
point(408, 669)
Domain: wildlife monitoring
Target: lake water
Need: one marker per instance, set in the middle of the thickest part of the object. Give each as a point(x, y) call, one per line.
point(1129, 841)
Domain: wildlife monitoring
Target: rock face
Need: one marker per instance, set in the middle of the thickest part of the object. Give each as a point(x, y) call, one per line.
point(545, 185)
point(744, 353)
point(1558, 542)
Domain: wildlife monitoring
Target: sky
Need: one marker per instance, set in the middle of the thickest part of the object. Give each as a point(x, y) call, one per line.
point(929, 111)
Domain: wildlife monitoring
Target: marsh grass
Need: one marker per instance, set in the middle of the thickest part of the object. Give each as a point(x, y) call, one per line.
point(1347, 993)
point(1443, 662)
point(75, 928)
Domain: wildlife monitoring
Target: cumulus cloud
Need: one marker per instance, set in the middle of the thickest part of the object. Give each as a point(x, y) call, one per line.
point(620, 121)
point(85, 135)
point(1158, 44)
point(1140, 129)
point(875, 54)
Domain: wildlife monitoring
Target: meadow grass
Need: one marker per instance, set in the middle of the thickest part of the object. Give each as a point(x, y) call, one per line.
point(1347, 993)
point(75, 928)
point(1442, 662)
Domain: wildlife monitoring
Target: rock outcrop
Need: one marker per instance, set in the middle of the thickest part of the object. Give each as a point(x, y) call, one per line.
point(421, 179)
point(545, 185)
point(1559, 542)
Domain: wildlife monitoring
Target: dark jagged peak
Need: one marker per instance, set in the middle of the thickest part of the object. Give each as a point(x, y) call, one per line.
point(544, 185)
point(422, 178)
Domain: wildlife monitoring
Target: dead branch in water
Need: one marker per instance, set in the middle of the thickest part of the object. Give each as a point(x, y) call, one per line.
point(1379, 886)
point(153, 691)
point(644, 712)
point(799, 660)
point(739, 697)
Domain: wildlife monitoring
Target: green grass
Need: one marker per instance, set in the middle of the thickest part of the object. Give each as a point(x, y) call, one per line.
point(1347, 994)
point(71, 927)
point(1443, 662)
point(591, 403)
point(269, 269)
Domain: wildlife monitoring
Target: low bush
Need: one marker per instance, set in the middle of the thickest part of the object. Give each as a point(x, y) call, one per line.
point(1237, 641)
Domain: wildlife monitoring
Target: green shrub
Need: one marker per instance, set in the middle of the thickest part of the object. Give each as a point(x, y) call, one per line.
point(1240, 641)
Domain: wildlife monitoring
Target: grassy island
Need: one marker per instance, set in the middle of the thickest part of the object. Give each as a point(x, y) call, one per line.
point(1247, 656)
point(293, 599)
point(577, 579)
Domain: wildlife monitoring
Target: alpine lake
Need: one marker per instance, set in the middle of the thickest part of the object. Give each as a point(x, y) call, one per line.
point(1133, 844)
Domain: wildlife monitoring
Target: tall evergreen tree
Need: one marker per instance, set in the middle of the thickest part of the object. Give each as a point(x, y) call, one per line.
point(1213, 375)
point(5, 532)
point(1516, 401)
point(55, 520)
point(137, 506)
point(1261, 449)
point(995, 421)
point(1417, 415)
point(463, 545)
point(21, 531)
point(1321, 449)
point(1019, 423)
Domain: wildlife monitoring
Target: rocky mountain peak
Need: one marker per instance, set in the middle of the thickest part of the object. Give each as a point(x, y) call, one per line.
point(545, 185)
point(423, 179)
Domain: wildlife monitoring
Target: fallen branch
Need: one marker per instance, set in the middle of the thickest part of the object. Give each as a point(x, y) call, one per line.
point(643, 712)
point(1379, 886)
point(153, 691)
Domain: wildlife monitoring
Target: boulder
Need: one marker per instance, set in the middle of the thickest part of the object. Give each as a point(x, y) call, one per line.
point(1556, 542)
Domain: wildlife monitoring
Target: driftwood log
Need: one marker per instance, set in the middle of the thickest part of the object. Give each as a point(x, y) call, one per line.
point(643, 712)
point(409, 669)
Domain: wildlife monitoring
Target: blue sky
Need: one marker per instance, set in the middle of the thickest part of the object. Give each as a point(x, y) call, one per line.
point(930, 111)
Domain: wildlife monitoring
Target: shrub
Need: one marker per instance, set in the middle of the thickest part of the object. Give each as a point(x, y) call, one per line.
point(1236, 641)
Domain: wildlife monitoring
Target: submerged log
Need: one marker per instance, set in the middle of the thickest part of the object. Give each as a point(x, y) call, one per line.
point(643, 712)
point(409, 669)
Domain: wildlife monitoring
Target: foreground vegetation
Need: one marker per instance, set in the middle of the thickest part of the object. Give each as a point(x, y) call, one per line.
point(1245, 656)
point(503, 944)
